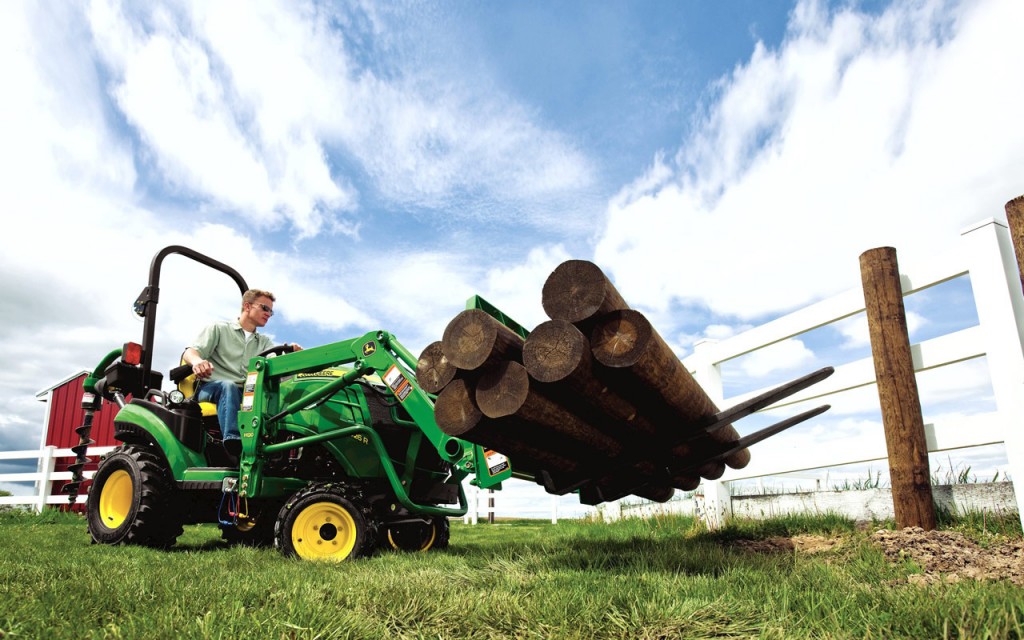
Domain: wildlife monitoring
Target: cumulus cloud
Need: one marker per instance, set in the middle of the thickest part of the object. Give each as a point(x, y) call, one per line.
point(272, 113)
point(857, 131)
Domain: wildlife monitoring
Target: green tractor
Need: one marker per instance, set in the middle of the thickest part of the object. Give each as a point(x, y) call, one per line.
point(340, 451)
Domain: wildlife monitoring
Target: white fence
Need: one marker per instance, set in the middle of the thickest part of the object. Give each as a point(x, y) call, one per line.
point(45, 475)
point(986, 254)
point(486, 503)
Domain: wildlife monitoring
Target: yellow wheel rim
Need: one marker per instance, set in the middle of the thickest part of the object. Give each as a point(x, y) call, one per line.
point(116, 499)
point(427, 544)
point(324, 531)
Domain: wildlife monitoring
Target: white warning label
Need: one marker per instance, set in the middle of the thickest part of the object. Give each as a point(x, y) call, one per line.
point(496, 462)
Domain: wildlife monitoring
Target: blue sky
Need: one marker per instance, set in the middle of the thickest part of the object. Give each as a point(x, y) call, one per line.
point(376, 164)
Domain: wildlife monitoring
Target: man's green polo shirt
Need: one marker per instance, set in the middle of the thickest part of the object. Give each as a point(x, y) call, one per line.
point(225, 346)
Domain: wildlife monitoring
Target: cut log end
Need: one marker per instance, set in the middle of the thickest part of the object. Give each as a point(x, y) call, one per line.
point(739, 459)
point(554, 351)
point(620, 338)
point(686, 483)
point(502, 389)
point(577, 290)
point(455, 411)
point(711, 470)
point(433, 369)
point(655, 493)
point(474, 338)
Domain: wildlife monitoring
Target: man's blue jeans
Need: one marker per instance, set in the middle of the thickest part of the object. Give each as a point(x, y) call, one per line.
point(227, 396)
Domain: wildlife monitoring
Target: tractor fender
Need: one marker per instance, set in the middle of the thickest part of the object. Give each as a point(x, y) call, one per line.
point(178, 456)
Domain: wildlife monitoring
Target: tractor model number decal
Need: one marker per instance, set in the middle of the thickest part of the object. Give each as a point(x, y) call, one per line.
point(496, 462)
point(369, 348)
point(397, 383)
point(249, 392)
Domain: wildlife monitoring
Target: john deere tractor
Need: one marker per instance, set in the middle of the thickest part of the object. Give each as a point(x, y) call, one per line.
point(340, 451)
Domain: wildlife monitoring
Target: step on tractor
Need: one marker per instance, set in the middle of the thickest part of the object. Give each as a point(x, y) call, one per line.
point(341, 454)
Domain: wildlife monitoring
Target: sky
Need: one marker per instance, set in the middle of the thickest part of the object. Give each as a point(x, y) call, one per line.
point(376, 164)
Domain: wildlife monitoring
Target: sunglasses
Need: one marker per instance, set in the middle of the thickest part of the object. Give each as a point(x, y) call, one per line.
point(263, 306)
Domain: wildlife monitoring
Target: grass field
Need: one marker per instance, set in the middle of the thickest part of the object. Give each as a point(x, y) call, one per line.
point(659, 578)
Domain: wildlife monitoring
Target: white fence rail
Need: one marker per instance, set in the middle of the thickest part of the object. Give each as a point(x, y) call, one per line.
point(45, 476)
point(986, 254)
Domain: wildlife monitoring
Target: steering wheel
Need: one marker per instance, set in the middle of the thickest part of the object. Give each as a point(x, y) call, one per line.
point(178, 374)
point(277, 350)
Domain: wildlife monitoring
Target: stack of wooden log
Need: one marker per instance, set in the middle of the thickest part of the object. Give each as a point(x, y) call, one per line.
point(593, 399)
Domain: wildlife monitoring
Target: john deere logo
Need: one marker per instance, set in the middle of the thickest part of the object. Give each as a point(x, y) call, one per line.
point(369, 348)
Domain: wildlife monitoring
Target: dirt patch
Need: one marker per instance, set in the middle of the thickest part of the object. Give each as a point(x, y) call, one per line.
point(804, 544)
point(948, 556)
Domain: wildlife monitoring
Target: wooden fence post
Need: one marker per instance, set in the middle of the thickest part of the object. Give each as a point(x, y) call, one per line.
point(1015, 218)
point(897, 390)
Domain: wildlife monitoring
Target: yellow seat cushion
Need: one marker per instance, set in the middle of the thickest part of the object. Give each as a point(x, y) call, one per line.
point(188, 387)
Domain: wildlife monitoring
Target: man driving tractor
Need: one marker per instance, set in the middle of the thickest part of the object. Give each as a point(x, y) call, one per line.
point(220, 358)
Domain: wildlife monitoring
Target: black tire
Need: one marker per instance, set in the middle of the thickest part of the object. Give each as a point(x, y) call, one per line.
point(132, 500)
point(257, 532)
point(325, 522)
point(418, 536)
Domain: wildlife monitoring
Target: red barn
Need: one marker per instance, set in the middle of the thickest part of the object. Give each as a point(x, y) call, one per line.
point(64, 414)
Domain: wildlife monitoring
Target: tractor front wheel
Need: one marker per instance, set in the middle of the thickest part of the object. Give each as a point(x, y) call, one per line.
point(131, 500)
point(419, 536)
point(324, 522)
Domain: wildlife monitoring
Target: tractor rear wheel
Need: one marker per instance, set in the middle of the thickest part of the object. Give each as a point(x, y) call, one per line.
point(325, 522)
point(131, 500)
point(419, 536)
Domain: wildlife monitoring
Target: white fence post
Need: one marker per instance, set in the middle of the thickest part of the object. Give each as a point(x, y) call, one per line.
point(47, 464)
point(554, 509)
point(708, 373)
point(997, 295)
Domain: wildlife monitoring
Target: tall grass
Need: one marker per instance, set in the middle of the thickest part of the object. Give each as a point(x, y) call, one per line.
point(665, 577)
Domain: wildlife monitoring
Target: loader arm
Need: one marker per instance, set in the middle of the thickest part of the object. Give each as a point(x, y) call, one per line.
point(263, 412)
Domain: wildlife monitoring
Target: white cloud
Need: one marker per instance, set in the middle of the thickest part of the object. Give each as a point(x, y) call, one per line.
point(781, 356)
point(856, 132)
point(266, 112)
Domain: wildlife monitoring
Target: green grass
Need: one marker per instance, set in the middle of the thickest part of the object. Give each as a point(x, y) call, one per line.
point(660, 578)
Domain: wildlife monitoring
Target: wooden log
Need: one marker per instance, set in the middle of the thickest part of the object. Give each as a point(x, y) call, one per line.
point(897, 390)
point(458, 415)
point(578, 291)
point(455, 409)
point(1015, 219)
point(504, 390)
point(433, 369)
point(686, 482)
point(624, 339)
point(558, 354)
point(473, 338)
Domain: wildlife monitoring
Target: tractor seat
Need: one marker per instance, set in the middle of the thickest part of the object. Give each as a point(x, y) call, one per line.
point(189, 386)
